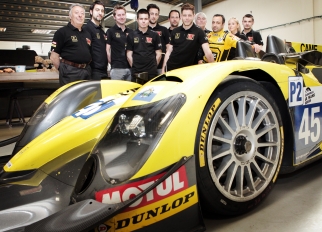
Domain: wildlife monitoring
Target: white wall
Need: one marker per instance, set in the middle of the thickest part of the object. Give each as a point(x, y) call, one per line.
point(272, 13)
point(266, 13)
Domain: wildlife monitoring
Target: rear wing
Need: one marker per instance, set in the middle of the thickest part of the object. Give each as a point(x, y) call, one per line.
point(303, 47)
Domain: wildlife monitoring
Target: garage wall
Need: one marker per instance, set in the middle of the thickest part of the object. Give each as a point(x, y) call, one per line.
point(269, 14)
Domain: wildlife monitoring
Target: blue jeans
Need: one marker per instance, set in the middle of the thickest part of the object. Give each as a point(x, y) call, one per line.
point(121, 74)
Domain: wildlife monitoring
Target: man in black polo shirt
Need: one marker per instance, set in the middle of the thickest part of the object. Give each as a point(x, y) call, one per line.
point(73, 45)
point(251, 35)
point(143, 47)
point(98, 38)
point(185, 42)
point(162, 31)
point(116, 46)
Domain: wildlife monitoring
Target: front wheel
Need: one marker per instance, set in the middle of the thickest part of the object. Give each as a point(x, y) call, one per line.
point(239, 146)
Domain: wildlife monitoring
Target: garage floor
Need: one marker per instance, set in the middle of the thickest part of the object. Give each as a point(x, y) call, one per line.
point(295, 203)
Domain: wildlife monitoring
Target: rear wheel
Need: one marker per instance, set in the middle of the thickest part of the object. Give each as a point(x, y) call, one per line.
point(239, 147)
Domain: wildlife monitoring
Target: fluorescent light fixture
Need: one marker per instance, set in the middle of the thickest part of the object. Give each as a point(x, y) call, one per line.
point(40, 31)
point(130, 15)
point(3, 29)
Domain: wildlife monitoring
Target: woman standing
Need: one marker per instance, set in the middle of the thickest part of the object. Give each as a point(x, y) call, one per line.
point(235, 29)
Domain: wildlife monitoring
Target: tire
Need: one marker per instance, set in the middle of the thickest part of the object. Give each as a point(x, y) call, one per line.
point(240, 147)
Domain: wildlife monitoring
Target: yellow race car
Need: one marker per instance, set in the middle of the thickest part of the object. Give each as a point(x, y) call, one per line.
point(211, 138)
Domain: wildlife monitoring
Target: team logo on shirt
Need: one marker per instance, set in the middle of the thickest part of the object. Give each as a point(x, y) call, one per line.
point(53, 44)
point(148, 40)
point(98, 35)
point(136, 39)
point(74, 38)
point(177, 36)
point(88, 41)
point(117, 35)
point(220, 39)
point(190, 37)
point(250, 38)
point(159, 33)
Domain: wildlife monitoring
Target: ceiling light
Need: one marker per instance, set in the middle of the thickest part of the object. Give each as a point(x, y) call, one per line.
point(3, 29)
point(40, 31)
point(130, 15)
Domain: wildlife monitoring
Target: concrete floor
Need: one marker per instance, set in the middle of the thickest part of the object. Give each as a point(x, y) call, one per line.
point(294, 205)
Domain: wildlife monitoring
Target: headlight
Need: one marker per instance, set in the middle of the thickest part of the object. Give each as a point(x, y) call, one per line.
point(133, 135)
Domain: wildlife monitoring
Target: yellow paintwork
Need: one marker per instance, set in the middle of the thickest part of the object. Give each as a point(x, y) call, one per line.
point(198, 83)
point(301, 47)
point(69, 134)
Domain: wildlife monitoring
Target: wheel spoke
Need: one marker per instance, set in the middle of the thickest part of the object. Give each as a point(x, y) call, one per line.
point(231, 173)
point(259, 119)
point(221, 139)
point(239, 181)
point(220, 155)
point(249, 178)
point(233, 122)
point(242, 111)
point(267, 144)
point(251, 111)
point(224, 166)
point(225, 126)
point(258, 171)
point(266, 129)
point(264, 158)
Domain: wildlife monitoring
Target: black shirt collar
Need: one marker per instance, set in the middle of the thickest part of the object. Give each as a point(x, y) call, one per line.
point(192, 27)
point(91, 22)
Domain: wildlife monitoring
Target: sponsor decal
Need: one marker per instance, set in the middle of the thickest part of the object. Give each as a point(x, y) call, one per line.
point(148, 93)
point(9, 164)
point(220, 40)
point(308, 47)
point(88, 41)
point(175, 183)
point(147, 215)
point(96, 107)
point(177, 36)
point(295, 91)
point(148, 40)
point(204, 131)
point(250, 38)
point(74, 38)
point(103, 228)
point(98, 35)
point(117, 35)
point(308, 95)
point(53, 44)
point(190, 37)
point(159, 33)
point(136, 39)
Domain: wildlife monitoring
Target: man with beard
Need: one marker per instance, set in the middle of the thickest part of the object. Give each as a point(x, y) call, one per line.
point(73, 45)
point(98, 38)
point(174, 19)
point(162, 31)
point(185, 42)
point(116, 46)
point(143, 48)
point(220, 41)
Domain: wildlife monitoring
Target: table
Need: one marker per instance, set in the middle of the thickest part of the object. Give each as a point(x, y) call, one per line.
point(28, 77)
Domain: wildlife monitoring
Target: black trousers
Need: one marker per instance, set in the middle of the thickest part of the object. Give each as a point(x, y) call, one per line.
point(68, 73)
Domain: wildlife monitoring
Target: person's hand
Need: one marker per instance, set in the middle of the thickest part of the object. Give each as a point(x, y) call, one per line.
point(257, 48)
point(200, 62)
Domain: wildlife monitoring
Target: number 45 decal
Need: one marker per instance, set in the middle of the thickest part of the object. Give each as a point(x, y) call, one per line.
point(310, 127)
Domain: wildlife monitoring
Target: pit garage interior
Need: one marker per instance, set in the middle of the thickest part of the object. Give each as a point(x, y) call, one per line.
point(295, 203)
